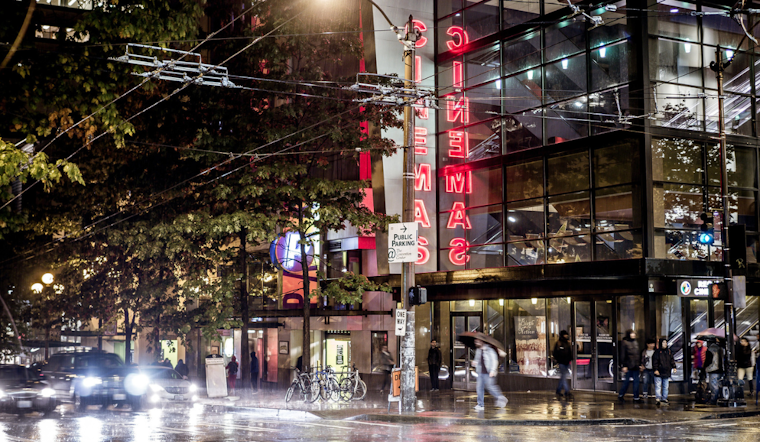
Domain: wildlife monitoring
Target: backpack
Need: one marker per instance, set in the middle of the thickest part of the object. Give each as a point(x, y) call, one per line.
point(562, 352)
point(233, 367)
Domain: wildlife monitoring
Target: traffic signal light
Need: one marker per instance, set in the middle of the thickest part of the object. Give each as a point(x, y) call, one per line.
point(707, 230)
point(417, 295)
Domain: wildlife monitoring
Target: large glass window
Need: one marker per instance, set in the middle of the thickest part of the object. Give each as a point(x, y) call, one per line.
point(525, 180)
point(559, 319)
point(482, 66)
point(565, 78)
point(565, 39)
point(678, 106)
point(673, 19)
point(522, 91)
point(616, 164)
point(677, 160)
point(516, 13)
point(482, 19)
point(677, 62)
point(609, 65)
point(567, 120)
point(568, 173)
point(522, 53)
point(524, 131)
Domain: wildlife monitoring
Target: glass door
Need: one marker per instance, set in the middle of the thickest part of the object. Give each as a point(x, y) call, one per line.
point(464, 375)
point(584, 373)
point(605, 347)
point(594, 346)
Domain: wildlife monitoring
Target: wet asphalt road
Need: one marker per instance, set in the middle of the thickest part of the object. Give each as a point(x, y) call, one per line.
point(200, 424)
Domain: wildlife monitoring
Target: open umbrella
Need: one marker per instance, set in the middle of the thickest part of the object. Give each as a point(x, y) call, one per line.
point(468, 339)
point(714, 333)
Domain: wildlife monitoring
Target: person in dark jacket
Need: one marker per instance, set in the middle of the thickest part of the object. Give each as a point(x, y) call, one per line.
point(664, 365)
point(745, 362)
point(182, 369)
point(647, 367)
point(715, 368)
point(254, 371)
point(434, 364)
point(631, 364)
point(563, 354)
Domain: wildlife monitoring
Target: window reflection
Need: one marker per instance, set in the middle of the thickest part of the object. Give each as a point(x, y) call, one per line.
point(568, 173)
point(679, 107)
point(568, 214)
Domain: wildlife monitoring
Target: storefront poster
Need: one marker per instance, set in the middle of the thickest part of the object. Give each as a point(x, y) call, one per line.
point(530, 344)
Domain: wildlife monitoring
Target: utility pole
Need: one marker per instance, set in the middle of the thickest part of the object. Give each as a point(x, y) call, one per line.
point(408, 363)
point(736, 393)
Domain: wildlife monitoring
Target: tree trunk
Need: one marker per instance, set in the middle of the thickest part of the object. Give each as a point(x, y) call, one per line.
point(100, 335)
point(306, 346)
point(127, 338)
point(245, 365)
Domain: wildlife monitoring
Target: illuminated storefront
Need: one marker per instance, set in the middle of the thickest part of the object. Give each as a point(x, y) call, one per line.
point(572, 164)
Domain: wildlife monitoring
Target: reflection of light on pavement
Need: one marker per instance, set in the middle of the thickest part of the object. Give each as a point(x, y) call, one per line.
point(142, 430)
point(228, 430)
point(3, 429)
point(48, 430)
point(192, 420)
point(90, 429)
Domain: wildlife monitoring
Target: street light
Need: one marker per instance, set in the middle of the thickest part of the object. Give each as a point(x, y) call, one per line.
point(37, 288)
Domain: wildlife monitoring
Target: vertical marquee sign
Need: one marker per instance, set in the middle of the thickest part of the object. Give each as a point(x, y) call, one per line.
point(456, 179)
point(425, 204)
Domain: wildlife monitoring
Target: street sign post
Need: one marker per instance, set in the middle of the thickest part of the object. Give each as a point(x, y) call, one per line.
point(402, 242)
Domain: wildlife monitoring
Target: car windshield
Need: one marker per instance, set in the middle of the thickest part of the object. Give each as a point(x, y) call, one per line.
point(161, 373)
point(101, 361)
point(12, 373)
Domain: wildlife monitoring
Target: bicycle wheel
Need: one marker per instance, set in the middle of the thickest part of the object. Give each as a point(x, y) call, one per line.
point(315, 389)
point(305, 390)
point(289, 393)
point(361, 391)
point(331, 390)
point(346, 389)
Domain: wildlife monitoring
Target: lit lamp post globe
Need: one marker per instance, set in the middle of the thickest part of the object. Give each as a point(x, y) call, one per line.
point(37, 287)
point(47, 278)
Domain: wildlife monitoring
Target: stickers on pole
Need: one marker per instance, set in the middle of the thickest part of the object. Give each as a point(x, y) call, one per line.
point(400, 322)
point(402, 242)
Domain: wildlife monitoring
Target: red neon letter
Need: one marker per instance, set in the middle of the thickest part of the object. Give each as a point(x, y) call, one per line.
point(458, 217)
point(420, 214)
point(459, 182)
point(460, 38)
point(458, 255)
point(459, 146)
point(458, 110)
point(422, 112)
point(418, 25)
point(422, 177)
point(423, 254)
point(420, 141)
point(417, 69)
point(458, 74)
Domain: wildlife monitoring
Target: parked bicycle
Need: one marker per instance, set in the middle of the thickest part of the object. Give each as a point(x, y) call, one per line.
point(324, 384)
point(302, 384)
point(352, 386)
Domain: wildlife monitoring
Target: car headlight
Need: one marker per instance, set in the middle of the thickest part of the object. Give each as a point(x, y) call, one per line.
point(2, 394)
point(192, 388)
point(91, 382)
point(156, 388)
point(47, 392)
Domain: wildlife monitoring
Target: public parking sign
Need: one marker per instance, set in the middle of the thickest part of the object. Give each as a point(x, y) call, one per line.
point(402, 242)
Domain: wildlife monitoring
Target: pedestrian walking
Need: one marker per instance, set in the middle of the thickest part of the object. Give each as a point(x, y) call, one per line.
point(700, 353)
point(631, 364)
point(182, 369)
point(715, 368)
point(254, 371)
point(745, 360)
point(648, 368)
point(563, 354)
point(664, 365)
point(434, 364)
point(386, 365)
point(487, 367)
point(232, 369)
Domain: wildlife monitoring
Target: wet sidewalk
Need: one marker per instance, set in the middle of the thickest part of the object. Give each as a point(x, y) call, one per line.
point(456, 407)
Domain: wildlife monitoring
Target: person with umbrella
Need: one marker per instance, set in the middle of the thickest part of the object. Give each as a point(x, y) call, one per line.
point(487, 367)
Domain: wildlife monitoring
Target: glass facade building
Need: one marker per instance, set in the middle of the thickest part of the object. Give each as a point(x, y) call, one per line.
point(573, 164)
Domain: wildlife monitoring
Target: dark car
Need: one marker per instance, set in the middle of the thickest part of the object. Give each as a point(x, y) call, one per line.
point(95, 378)
point(21, 391)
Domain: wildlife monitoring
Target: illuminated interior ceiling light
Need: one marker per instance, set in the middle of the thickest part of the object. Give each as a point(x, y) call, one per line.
point(578, 104)
point(674, 10)
point(611, 8)
point(530, 75)
point(603, 52)
point(729, 54)
point(568, 300)
point(501, 302)
point(687, 47)
point(472, 303)
point(565, 63)
point(511, 219)
point(498, 84)
point(534, 301)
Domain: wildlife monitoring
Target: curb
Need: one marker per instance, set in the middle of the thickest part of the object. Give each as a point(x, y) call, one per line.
point(731, 415)
point(495, 422)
